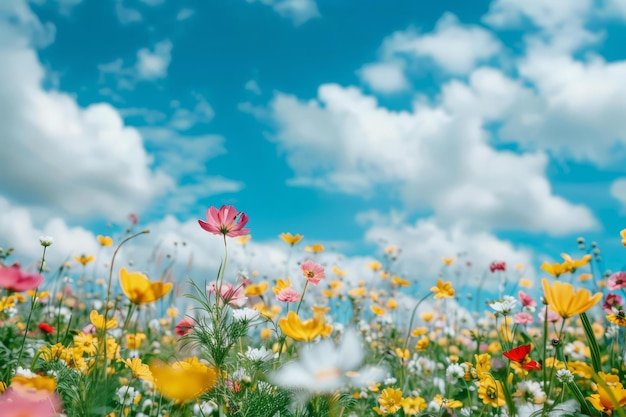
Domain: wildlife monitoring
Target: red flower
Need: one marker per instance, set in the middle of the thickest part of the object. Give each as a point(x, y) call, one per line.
point(46, 328)
point(534, 365)
point(184, 326)
point(497, 266)
point(518, 354)
point(227, 221)
point(13, 279)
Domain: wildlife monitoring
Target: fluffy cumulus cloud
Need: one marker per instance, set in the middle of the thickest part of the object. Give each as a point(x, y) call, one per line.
point(454, 47)
point(426, 241)
point(153, 63)
point(385, 77)
point(618, 191)
point(438, 156)
point(298, 11)
point(50, 143)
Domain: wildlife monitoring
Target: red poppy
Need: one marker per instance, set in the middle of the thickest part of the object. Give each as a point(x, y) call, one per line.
point(183, 327)
point(46, 328)
point(519, 353)
point(534, 365)
point(497, 266)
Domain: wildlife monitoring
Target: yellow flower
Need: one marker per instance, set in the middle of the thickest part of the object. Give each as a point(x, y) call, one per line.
point(256, 289)
point(98, 321)
point(563, 300)
point(281, 284)
point(519, 267)
point(390, 400)
point(315, 248)
point(269, 312)
point(601, 401)
point(618, 319)
point(448, 261)
point(447, 402)
point(585, 277)
point(400, 282)
point(86, 343)
point(3, 387)
point(134, 341)
point(266, 333)
point(374, 265)
point(402, 353)
point(357, 292)
point(242, 240)
point(391, 304)
point(491, 392)
point(443, 290)
point(306, 330)
point(140, 290)
point(339, 272)
point(105, 240)
point(140, 370)
point(623, 234)
point(483, 363)
point(172, 312)
point(183, 381)
point(428, 316)
point(556, 269)
point(419, 331)
point(422, 344)
point(525, 282)
point(84, 259)
point(412, 406)
point(576, 263)
point(34, 388)
point(379, 311)
point(291, 239)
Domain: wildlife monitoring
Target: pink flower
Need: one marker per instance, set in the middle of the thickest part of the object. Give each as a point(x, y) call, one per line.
point(552, 316)
point(234, 296)
point(523, 318)
point(611, 301)
point(184, 326)
point(526, 300)
point(497, 266)
point(313, 272)
point(616, 281)
point(22, 402)
point(133, 218)
point(225, 222)
point(13, 279)
point(288, 295)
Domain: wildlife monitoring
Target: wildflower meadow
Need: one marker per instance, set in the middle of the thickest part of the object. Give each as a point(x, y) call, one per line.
point(116, 341)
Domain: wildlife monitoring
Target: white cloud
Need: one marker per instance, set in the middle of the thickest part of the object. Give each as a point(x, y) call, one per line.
point(299, 11)
point(253, 86)
point(185, 119)
point(455, 47)
point(425, 242)
point(127, 15)
point(618, 191)
point(437, 156)
point(185, 14)
point(385, 77)
point(153, 64)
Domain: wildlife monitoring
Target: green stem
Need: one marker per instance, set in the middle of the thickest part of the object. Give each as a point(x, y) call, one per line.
point(408, 333)
point(306, 284)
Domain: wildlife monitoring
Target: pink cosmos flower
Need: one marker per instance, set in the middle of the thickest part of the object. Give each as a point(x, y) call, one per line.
point(523, 318)
point(313, 272)
point(553, 317)
point(611, 301)
point(22, 403)
point(497, 266)
point(288, 295)
point(616, 281)
point(133, 218)
point(526, 300)
point(13, 279)
point(227, 221)
point(231, 295)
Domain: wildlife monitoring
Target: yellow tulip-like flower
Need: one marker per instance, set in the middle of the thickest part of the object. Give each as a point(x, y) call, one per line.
point(443, 289)
point(357, 292)
point(491, 392)
point(391, 304)
point(105, 240)
point(576, 263)
point(623, 235)
point(256, 289)
point(267, 311)
point(281, 284)
point(378, 310)
point(447, 402)
point(139, 369)
point(140, 290)
point(306, 330)
point(98, 321)
point(183, 381)
point(374, 265)
point(562, 298)
point(84, 259)
point(601, 401)
point(291, 239)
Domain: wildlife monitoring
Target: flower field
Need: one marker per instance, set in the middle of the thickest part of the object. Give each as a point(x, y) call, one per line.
point(80, 341)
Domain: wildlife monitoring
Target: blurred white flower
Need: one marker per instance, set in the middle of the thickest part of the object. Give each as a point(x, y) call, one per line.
point(324, 367)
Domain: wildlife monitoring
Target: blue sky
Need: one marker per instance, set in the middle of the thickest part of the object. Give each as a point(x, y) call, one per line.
point(493, 128)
